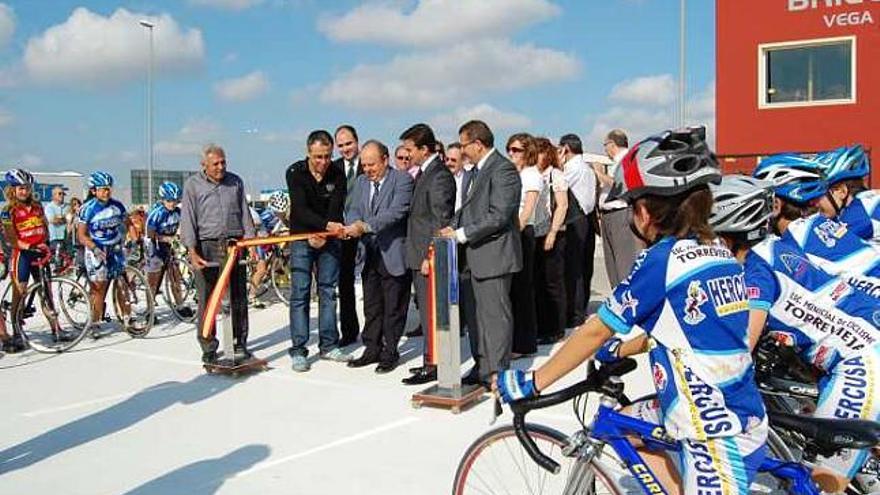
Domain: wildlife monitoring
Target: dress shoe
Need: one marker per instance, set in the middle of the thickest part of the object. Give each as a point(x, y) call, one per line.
point(425, 375)
point(386, 367)
point(415, 369)
point(416, 332)
point(241, 353)
point(362, 361)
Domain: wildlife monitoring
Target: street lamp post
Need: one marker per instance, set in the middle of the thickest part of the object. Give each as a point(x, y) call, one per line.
point(149, 25)
point(682, 45)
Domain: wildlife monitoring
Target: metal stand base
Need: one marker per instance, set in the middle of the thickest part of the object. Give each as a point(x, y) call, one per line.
point(230, 367)
point(454, 399)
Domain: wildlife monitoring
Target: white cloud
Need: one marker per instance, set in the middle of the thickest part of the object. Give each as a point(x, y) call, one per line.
point(7, 25)
point(6, 117)
point(437, 78)
point(29, 160)
point(448, 123)
point(190, 139)
point(650, 90)
point(93, 50)
point(226, 4)
point(642, 120)
point(435, 22)
point(242, 88)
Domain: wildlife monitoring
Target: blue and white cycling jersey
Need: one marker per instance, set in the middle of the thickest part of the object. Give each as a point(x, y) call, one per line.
point(820, 314)
point(697, 324)
point(163, 221)
point(269, 221)
point(105, 221)
point(862, 216)
point(830, 245)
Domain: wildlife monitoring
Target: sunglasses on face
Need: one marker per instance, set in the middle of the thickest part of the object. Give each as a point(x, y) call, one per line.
point(514, 149)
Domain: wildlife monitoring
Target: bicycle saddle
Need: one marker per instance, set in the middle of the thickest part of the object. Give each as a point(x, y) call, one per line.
point(831, 435)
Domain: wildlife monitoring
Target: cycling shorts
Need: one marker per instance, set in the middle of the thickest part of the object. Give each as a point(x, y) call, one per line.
point(158, 254)
point(108, 267)
point(722, 465)
point(851, 391)
point(22, 265)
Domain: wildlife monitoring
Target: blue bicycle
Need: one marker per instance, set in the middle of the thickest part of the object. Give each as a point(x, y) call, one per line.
point(498, 462)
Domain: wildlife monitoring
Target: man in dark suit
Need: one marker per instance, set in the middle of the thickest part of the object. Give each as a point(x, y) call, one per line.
point(486, 227)
point(378, 219)
point(431, 209)
point(349, 163)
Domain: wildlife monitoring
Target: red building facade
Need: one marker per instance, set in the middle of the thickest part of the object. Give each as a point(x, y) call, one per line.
point(796, 75)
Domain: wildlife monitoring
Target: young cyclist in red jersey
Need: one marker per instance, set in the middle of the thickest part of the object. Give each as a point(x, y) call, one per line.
point(26, 231)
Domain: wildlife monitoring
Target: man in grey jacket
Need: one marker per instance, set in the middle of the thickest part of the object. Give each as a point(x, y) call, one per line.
point(377, 216)
point(486, 228)
point(213, 212)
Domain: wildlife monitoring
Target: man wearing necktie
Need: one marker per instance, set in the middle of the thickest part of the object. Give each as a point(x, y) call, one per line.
point(378, 218)
point(349, 163)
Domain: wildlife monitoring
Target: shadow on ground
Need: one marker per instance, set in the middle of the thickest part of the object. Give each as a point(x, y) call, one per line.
point(115, 418)
point(204, 477)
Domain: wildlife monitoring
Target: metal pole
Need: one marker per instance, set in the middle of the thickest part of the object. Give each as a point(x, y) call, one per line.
point(149, 26)
point(682, 111)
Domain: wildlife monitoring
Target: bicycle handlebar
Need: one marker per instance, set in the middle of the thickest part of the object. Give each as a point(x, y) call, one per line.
point(45, 255)
point(595, 382)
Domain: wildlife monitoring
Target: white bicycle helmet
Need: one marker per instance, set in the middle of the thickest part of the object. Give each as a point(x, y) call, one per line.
point(743, 205)
point(279, 202)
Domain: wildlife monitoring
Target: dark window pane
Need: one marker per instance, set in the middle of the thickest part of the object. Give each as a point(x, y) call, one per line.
point(811, 73)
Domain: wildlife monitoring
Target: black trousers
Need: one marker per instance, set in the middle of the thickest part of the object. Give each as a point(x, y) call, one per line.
point(522, 294)
point(206, 279)
point(386, 300)
point(348, 320)
point(550, 286)
point(589, 259)
point(577, 294)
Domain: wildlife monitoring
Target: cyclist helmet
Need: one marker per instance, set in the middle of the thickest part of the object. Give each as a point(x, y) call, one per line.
point(169, 191)
point(795, 178)
point(666, 164)
point(844, 163)
point(19, 177)
point(742, 205)
point(100, 179)
point(279, 202)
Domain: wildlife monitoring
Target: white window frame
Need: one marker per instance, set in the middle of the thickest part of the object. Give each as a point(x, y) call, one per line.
point(764, 48)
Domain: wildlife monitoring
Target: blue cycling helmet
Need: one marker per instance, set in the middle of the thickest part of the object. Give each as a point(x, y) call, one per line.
point(169, 191)
point(844, 163)
point(795, 178)
point(19, 177)
point(100, 179)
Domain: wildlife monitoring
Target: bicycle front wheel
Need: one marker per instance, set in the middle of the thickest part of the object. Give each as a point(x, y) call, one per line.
point(133, 302)
point(180, 280)
point(58, 318)
point(280, 271)
point(497, 463)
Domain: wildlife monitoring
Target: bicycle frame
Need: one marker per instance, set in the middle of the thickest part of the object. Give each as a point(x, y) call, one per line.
point(612, 428)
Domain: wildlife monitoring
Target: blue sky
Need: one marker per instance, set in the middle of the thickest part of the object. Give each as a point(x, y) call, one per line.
point(257, 75)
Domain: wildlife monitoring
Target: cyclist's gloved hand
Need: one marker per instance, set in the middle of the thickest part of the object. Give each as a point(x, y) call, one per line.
point(515, 385)
point(3, 269)
point(609, 352)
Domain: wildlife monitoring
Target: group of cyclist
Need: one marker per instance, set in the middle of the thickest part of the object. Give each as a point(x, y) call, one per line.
point(106, 238)
point(789, 254)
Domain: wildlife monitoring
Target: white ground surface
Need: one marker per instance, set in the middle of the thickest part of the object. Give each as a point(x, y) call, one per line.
point(122, 416)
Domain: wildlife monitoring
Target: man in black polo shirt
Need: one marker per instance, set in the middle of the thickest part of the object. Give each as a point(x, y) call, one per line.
point(317, 194)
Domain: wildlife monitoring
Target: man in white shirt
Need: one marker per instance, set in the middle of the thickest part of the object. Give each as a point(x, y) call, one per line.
point(455, 163)
point(580, 237)
point(618, 242)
